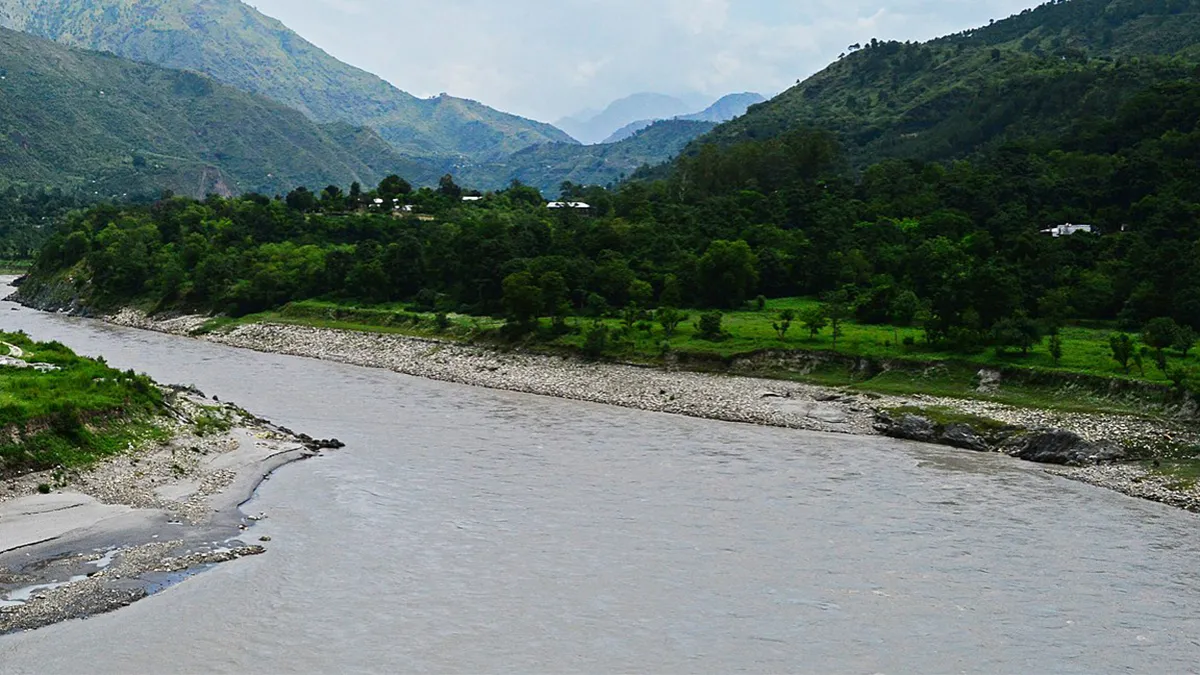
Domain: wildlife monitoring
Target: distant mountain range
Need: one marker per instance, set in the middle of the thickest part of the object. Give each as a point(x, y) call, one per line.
point(590, 127)
point(547, 166)
point(235, 44)
point(88, 122)
point(725, 109)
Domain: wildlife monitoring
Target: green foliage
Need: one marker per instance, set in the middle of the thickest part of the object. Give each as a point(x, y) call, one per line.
point(815, 320)
point(596, 339)
point(1056, 348)
point(669, 318)
point(709, 326)
point(1016, 332)
point(784, 324)
point(1185, 340)
point(1123, 350)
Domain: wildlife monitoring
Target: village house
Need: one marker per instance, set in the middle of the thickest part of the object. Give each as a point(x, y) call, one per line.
point(1067, 229)
point(569, 205)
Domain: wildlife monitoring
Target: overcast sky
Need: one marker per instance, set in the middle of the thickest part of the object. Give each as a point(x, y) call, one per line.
point(545, 59)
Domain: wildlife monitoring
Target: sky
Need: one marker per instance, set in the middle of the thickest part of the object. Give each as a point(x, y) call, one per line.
point(546, 59)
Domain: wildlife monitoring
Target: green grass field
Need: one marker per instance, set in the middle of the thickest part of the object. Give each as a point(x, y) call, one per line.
point(70, 416)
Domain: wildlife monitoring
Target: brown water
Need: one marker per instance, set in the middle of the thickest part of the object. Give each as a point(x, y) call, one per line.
point(468, 530)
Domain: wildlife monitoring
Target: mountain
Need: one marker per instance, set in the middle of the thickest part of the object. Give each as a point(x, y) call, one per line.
point(1033, 73)
point(235, 44)
point(726, 108)
point(547, 166)
point(592, 129)
point(87, 121)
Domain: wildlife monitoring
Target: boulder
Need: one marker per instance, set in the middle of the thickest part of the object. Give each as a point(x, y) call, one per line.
point(907, 426)
point(1064, 448)
point(964, 437)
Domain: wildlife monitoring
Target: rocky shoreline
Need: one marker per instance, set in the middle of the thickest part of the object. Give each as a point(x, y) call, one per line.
point(1086, 447)
point(83, 542)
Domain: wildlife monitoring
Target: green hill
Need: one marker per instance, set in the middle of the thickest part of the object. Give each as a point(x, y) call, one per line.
point(235, 44)
point(1031, 74)
point(90, 122)
point(548, 165)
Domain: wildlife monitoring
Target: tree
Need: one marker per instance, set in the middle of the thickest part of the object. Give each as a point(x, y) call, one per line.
point(394, 186)
point(1159, 334)
point(784, 324)
point(670, 318)
point(837, 308)
point(904, 310)
point(1122, 348)
point(522, 297)
point(815, 320)
point(554, 297)
point(448, 188)
point(301, 199)
point(728, 273)
point(1017, 331)
point(672, 292)
point(1185, 340)
point(1056, 348)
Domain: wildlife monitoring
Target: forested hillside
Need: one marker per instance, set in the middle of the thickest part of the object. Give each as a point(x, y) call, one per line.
point(94, 123)
point(1029, 75)
point(233, 43)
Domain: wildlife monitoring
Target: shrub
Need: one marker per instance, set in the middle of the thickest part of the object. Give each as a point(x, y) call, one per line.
point(709, 326)
point(43, 488)
point(442, 321)
point(595, 340)
point(761, 302)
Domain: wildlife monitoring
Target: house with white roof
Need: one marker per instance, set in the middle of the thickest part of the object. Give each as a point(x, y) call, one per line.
point(1067, 229)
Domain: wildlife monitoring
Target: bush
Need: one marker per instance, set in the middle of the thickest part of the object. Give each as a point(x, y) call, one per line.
point(761, 302)
point(709, 327)
point(910, 341)
point(595, 340)
point(43, 488)
point(442, 322)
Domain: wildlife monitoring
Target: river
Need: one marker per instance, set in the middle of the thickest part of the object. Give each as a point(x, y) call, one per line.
point(468, 530)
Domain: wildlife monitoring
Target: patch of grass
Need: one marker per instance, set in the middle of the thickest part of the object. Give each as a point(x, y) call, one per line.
point(73, 415)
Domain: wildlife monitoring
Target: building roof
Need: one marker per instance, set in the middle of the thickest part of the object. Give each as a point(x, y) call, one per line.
point(568, 205)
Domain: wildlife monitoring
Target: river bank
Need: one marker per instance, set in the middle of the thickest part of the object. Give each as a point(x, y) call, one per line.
point(1093, 448)
point(75, 543)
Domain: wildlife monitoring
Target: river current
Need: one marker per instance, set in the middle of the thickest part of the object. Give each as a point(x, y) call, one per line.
point(468, 530)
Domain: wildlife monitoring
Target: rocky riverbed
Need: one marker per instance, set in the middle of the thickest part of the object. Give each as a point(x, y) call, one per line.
point(1046, 435)
point(74, 543)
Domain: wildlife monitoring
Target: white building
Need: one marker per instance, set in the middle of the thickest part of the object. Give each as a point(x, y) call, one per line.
point(1067, 229)
point(568, 205)
point(472, 198)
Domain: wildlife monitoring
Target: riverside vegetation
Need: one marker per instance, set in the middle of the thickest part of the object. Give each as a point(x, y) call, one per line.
point(60, 410)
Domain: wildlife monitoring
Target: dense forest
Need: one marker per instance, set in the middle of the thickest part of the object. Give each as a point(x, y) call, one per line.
point(956, 247)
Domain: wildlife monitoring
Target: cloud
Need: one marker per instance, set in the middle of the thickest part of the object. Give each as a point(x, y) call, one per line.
point(549, 58)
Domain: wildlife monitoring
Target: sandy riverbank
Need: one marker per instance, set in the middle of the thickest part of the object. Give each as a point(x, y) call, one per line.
point(109, 535)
